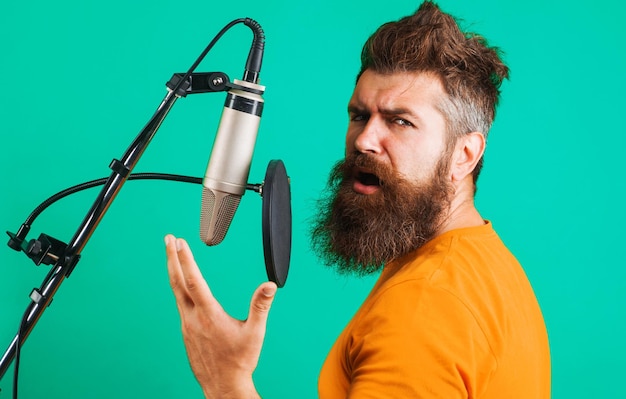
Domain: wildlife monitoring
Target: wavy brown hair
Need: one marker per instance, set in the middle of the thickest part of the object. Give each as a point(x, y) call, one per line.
point(431, 41)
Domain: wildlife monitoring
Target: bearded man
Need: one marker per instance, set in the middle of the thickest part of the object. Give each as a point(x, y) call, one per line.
point(452, 314)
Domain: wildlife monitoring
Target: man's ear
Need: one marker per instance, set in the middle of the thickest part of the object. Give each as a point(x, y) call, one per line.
point(467, 152)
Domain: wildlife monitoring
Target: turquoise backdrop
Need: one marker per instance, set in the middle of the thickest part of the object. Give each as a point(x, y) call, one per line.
point(81, 78)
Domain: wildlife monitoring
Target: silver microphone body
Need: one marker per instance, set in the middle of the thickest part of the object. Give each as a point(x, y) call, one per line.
point(229, 165)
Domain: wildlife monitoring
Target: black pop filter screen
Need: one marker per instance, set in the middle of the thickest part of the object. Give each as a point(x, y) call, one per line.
point(276, 222)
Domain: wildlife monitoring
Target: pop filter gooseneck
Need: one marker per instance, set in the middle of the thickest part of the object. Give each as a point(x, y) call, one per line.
point(276, 222)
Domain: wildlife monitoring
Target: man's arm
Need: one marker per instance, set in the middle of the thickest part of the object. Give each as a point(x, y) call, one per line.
point(223, 351)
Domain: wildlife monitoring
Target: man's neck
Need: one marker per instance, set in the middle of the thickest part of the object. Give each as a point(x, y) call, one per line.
point(462, 212)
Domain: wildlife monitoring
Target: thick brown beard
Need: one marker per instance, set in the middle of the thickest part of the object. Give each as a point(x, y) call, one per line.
point(358, 233)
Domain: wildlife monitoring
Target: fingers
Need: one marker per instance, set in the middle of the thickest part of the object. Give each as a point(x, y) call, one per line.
point(260, 305)
point(186, 279)
point(191, 289)
point(174, 271)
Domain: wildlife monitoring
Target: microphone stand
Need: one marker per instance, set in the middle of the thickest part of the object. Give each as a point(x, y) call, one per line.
point(64, 257)
point(67, 256)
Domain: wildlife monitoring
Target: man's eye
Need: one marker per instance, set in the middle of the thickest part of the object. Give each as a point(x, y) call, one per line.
point(358, 118)
point(402, 122)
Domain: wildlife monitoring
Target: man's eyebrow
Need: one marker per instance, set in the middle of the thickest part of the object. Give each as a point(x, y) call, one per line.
point(355, 109)
point(389, 111)
point(398, 111)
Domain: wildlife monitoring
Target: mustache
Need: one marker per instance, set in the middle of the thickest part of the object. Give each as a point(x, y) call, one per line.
point(357, 165)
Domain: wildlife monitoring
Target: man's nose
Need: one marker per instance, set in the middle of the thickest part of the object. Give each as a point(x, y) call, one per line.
point(369, 139)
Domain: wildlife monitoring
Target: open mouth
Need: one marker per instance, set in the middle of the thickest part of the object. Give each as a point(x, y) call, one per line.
point(368, 179)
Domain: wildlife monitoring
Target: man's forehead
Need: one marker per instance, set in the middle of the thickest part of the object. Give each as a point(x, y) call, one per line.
point(396, 91)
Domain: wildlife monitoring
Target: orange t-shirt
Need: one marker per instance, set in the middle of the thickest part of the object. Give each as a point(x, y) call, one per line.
point(455, 319)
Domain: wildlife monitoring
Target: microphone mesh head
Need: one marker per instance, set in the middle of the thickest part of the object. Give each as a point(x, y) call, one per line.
point(218, 209)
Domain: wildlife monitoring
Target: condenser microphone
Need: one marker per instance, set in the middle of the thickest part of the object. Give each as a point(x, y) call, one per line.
point(229, 165)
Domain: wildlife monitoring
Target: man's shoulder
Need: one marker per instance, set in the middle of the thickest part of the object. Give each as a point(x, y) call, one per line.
point(470, 251)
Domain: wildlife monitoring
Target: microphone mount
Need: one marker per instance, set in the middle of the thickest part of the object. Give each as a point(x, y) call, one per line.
point(200, 82)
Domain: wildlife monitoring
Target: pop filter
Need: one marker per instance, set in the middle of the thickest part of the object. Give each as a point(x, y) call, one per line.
point(276, 223)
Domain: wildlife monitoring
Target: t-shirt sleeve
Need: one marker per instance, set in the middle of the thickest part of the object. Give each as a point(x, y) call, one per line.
point(418, 341)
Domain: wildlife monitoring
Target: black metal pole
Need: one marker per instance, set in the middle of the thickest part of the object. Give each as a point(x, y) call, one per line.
point(42, 297)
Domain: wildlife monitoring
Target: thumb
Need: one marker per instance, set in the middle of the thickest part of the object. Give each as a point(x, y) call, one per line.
point(261, 303)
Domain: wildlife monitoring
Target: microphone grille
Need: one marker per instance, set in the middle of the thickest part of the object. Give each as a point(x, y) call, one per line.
point(218, 209)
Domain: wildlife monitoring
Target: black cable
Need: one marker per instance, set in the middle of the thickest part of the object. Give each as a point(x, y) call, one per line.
point(99, 182)
point(206, 51)
point(75, 189)
point(58, 196)
point(255, 57)
point(25, 227)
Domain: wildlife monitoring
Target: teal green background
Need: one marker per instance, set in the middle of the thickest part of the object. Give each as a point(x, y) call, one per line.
point(81, 78)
